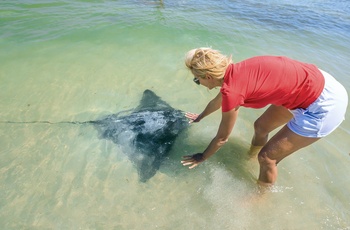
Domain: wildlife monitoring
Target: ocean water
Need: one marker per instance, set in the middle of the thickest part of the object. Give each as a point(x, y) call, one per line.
point(82, 60)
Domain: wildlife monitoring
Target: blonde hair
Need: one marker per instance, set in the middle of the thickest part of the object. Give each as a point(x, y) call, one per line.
point(203, 61)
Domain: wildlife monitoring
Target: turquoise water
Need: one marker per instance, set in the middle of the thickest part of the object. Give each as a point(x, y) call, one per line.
point(81, 60)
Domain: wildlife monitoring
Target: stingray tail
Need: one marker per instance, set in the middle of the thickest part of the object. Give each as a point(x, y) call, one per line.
point(49, 122)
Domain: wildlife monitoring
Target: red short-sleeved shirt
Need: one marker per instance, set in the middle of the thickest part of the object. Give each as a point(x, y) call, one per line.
point(264, 80)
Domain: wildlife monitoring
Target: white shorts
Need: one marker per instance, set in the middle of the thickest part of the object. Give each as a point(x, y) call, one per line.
point(325, 114)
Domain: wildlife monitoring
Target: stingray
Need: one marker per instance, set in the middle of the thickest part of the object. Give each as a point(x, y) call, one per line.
point(145, 134)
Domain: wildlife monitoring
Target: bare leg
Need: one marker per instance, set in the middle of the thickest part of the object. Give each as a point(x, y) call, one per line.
point(272, 118)
point(284, 143)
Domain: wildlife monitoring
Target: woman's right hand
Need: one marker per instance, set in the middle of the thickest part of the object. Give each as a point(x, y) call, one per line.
point(192, 160)
point(194, 117)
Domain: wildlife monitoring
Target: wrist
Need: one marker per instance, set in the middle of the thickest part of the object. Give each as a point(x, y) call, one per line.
point(199, 157)
point(200, 116)
point(204, 157)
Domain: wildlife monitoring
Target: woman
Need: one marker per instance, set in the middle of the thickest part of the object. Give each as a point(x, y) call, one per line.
point(309, 102)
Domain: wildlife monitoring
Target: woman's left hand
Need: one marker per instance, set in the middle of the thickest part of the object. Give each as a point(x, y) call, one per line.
point(194, 117)
point(192, 160)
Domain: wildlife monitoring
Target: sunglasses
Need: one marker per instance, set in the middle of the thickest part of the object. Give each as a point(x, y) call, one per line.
point(196, 80)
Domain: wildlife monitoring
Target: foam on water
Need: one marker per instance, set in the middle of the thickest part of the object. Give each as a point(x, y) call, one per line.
point(229, 196)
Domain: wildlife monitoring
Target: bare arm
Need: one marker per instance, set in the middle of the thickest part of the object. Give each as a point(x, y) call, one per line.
point(212, 106)
point(227, 123)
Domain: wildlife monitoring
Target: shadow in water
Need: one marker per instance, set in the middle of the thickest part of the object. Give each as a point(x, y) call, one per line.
point(232, 157)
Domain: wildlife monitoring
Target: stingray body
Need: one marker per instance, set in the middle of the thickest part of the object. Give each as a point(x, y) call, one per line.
point(145, 134)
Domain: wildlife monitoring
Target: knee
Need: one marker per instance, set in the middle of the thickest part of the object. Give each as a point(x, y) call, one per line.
point(259, 128)
point(265, 160)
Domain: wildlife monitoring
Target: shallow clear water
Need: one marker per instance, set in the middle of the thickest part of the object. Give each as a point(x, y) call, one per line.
point(82, 60)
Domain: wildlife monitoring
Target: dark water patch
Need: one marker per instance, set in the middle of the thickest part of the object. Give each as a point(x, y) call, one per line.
point(291, 16)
